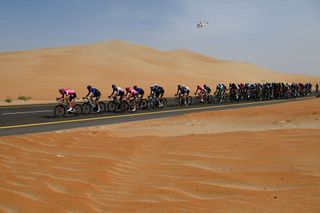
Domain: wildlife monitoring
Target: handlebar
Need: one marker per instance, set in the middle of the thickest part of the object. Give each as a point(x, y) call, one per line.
point(60, 100)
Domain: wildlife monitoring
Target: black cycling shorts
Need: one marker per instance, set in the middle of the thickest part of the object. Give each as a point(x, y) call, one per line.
point(121, 93)
point(97, 96)
point(73, 96)
point(184, 91)
point(157, 94)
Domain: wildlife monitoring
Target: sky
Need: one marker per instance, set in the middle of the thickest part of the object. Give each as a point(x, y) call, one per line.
point(283, 35)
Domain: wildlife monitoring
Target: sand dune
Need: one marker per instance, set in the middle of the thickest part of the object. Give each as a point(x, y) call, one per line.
point(99, 169)
point(39, 73)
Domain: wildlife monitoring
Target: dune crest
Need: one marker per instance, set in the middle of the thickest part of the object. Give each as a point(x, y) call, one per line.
point(39, 73)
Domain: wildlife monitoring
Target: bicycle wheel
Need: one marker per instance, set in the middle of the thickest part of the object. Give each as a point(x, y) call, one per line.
point(131, 106)
point(112, 106)
point(210, 99)
point(197, 100)
point(161, 103)
point(86, 108)
point(102, 107)
point(189, 100)
point(144, 104)
point(59, 111)
point(151, 104)
point(124, 106)
point(164, 102)
point(77, 110)
point(179, 101)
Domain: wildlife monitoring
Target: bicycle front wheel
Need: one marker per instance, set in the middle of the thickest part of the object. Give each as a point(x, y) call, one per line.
point(86, 108)
point(189, 100)
point(112, 106)
point(197, 100)
point(59, 111)
point(144, 103)
point(77, 110)
point(151, 104)
point(210, 99)
point(124, 106)
point(102, 107)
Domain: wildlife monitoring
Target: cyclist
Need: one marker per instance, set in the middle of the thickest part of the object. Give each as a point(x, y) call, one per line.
point(117, 91)
point(94, 93)
point(140, 92)
point(133, 95)
point(207, 88)
point(202, 92)
point(156, 91)
point(69, 95)
point(183, 91)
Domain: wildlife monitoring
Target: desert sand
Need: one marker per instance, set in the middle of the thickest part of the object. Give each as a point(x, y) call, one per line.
point(259, 159)
point(40, 73)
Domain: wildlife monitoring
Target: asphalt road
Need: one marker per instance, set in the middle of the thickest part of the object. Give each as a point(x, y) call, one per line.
point(15, 120)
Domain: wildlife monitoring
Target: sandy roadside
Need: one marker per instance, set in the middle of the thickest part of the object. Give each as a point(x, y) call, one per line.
point(241, 160)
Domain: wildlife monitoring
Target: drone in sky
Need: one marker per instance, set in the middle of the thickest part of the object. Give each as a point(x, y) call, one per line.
point(202, 24)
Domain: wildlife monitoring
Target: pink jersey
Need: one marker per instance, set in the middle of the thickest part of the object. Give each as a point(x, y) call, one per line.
point(202, 89)
point(69, 92)
point(133, 92)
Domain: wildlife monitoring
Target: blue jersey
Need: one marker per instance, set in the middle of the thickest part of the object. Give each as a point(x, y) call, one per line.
point(95, 91)
point(140, 91)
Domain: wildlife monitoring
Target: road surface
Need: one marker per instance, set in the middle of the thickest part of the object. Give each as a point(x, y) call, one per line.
point(15, 120)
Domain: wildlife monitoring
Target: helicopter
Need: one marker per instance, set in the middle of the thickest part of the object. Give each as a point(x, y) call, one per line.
point(202, 24)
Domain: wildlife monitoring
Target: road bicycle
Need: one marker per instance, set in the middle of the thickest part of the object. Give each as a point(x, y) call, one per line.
point(90, 106)
point(154, 102)
point(61, 109)
point(206, 99)
point(124, 105)
point(183, 100)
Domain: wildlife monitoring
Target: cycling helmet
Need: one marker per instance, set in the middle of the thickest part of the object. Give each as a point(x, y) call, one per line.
point(89, 87)
point(114, 86)
point(61, 90)
point(135, 87)
point(127, 88)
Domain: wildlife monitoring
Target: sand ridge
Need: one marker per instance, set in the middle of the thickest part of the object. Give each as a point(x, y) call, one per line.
point(40, 73)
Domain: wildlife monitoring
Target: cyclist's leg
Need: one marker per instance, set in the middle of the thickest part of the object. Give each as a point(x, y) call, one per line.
point(91, 100)
point(72, 99)
point(161, 94)
point(157, 98)
point(201, 96)
point(69, 101)
point(97, 98)
point(134, 100)
point(185, 96)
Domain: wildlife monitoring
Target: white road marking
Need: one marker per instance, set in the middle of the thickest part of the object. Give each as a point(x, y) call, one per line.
point(26, 112)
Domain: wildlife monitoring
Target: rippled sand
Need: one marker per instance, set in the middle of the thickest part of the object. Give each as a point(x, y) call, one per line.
point(98, 170)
